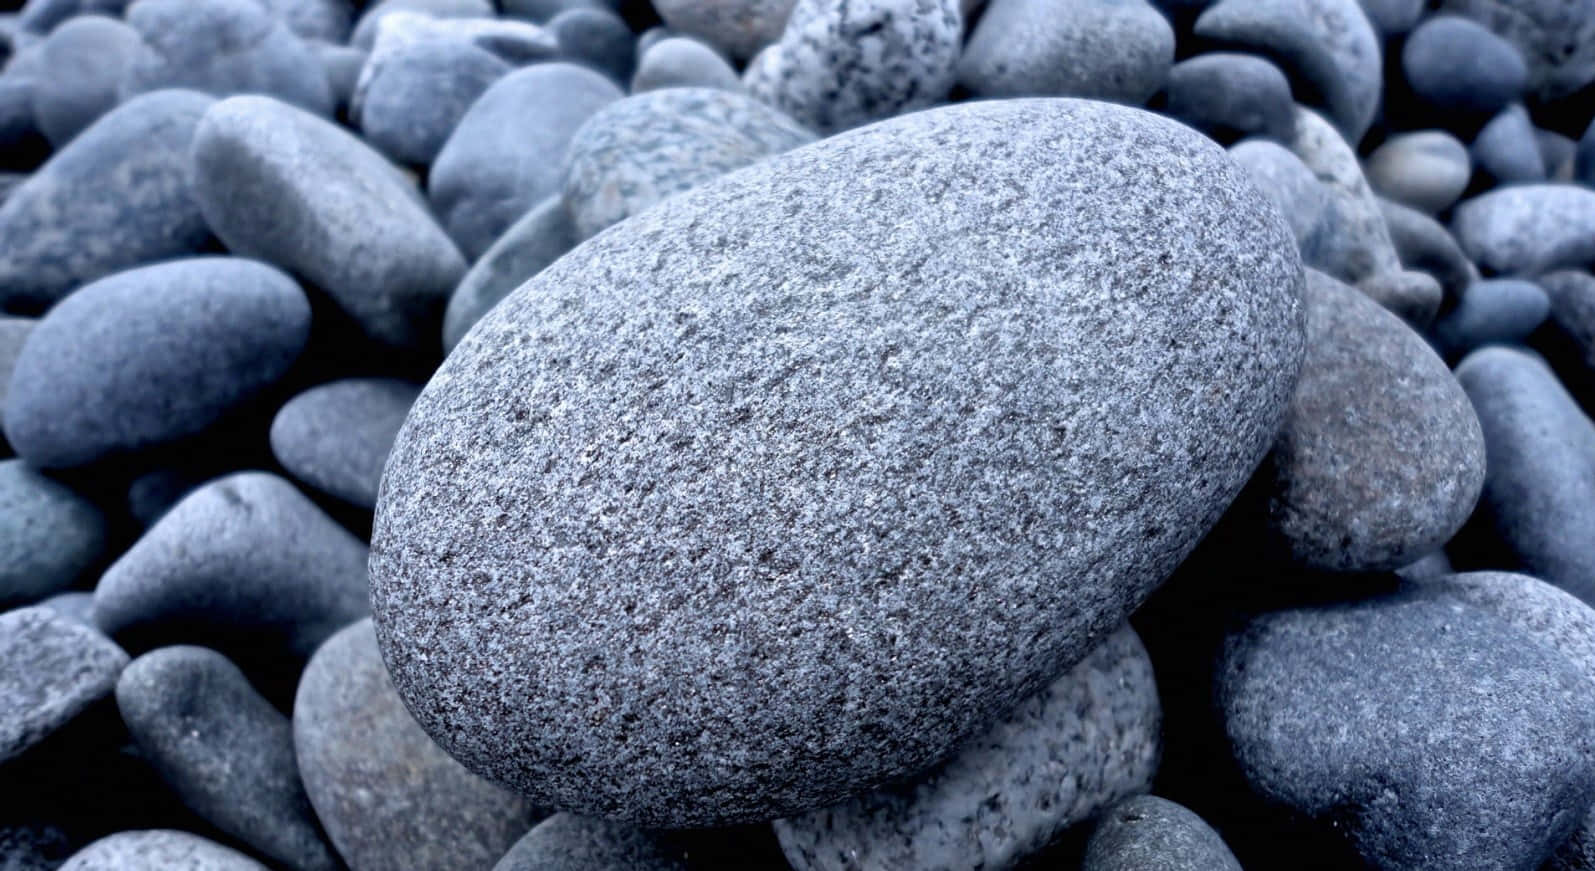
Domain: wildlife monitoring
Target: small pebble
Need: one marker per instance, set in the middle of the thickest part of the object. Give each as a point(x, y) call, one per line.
point(1424, 243)
point(1528, 229)
point(1455, 65)
point(683, 62)
point(539, 238)
point(49, 535)
point(1147, 833)
point(336, 437)
point(1499, 311)
point(410, 107)
point(1118, 50)
point(1506, 149)
point(87, 57)
point(51, 669)
point(159, 850)
point(1555, 37)
point(1232, 96)
point(596, 38)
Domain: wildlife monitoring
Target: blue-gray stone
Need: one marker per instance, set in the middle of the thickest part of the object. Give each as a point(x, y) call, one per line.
point(1498, 311)
point(1506, 149)
point(683, 62)
point(1555, 37)
point(739, 28)
point(1427, 170)
point(566, 842)
point(1393, 17)
point(1351, 241)
point(54, 669)
point(325, 21)
point(1118, 50)
point(1425, 244)
point(1528, 229)
point(1230, 96)
point(42, 16)
point(336, 437)
point(539, 238)
point(365, 30)
point(1147, 833)
point(342, 65)
point(412, 103)
point(49, 535)
point(1559, 153)
point(596, 38)
point(1456, 65)
point(85, 61)
point(159, 850)
point(1288, 183)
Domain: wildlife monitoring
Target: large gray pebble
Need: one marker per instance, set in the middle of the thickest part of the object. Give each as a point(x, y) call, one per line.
point(224, 750)
point(737, 27)
point(1351, 241)
point(87, 59)
point(515, 42)
point(1147, 833)
point(280, 184)
point(539, 238)
point(1456, 65)
point(1497, 311)
point(1507, 149)
point(507, 152)
point(336, 437)
point(1228, 96)
point(54, 668)
point(365, 30)
point(566, 842)
point(638, 151)
point(159, 850)
point(1427, 170)
point(150, 356)
point(999, 799)
point(1424, 243)
point(1528, 229)
point(118, 195)
point(1288, 183)
point(49, 535)
point(683, 62)
point(1117, 50)
point(409, 107)
point(388, 796)
point(774, 455)
point(1555, 37)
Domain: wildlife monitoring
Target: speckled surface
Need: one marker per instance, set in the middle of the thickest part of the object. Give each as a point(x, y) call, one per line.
point(1527, 229)
point(1147, 833)
point(53, 669)
point(565, 842)
point(537, 239)
point(1118, 50)
point(1351, 242)
point(159, 850)
point(336, 436)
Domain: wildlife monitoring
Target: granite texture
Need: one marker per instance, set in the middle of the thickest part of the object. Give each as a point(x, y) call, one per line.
point(1528, 229)
point(1148, 833)
point(565, 842)
point(49, 535)
point(54, 668)
point(540, 237)
point(159, 850)
point(336, 436)
point(1118, 50)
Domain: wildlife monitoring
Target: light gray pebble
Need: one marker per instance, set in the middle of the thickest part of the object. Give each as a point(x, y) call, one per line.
point(1506, 149)
point(1427, 170)
point(1528, 229)
point(1287, 182)
point(75, 605)
point(87, 58)
point(1455, 65)
point(1497, 311)
point(683, 62)
point(412, 104)
point(1351, 241)
point(1415, 297)
point(159, 850)
point(539, 238)
point(336, 437)
point(1118, 50)
point(53, 669)
point(49, 535)
point(365, 29)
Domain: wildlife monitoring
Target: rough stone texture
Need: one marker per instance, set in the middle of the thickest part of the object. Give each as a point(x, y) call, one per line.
point(423, 90)
point(86, 58)
point(1287, 182)
point(1424, 243)
point(598, 38)
point(336, 437)
point(388, 796)
point(1228, 96)
point(1065, 754)
point(1507, 151)
point(366, 29)
point(1415, 297)
point(118, 195)
point(539, 238)
point(1555, 37)
point(1351, 241)
point(737, 27)
point(1147, 833)
point(1427, 170)
point(159, 850)
point(150, 356)
point(224, 749)
point(1472, 749)
point(1498, 311)
point(1455, 65)
point(280, 184)
point(1117, 50)
point(566, 842)
point(682, 62)
point(1013, 326)
point(1528, 229)
point(53, 668)
point(1381, 458)
point(840, 65)
point(49, 535)
point(507, 152)
point(638, 151)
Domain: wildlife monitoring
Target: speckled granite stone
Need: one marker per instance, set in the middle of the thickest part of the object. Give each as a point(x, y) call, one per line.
point(540, 237)
point(1147, 833)
point(51, 669)
point(159, 850)
point(566, 842)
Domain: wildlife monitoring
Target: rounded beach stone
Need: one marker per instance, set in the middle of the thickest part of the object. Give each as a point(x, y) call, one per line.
point(566, 842)
point(150, 356)
point(1569, 343)
point(1506, 149)
point(388, 796)
point(999, 799)
point(1423, 243)
point(1456, 65)
point(409, 107)
point(597, 38)
point(539, 238)
point(224, 749)
point(42, 16)
point(683, 62)
point(1351, 241)
point(1147, 833)
point(1528, 229)
point(737, 27)
point(1229, 96)
point(280, 184)
point(49, 535)
point(1555, 37)
point(776, 456)
point(342, 65)
point(86, 58)
point(365, 29)
point(1498, 311)
point(159, 850)
point(336, 437)
point(1118, 50)
point(1287, 182)
point(635, 152)
point(54, 669)
point(1415, 297)
point(1427, 170)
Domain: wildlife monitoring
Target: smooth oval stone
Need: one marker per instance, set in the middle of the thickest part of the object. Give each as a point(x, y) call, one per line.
point(388, 796)
point(1456, 65)
point(280, 184)
point(635, 152)
point(1287, 182)
point(327, 21)
point(566, 842)
point(1528, 229)
point(245, 559)
point(365, 29)
point(410, 107)
point(336, 437)
point(224, 749)
point(1381, 458)
point(1499, 311)
point(1539, 491)
point(1555, 37)
point(1229, 96)
point(1473, 749)
point(1424, 243)
point(87, 58)
point(150, 356)
point(54, 669)
point(49, 535)
point(1118, 50)
point(1506, 149)
point(597, 38)
point(539, 238)
point(507, 152)
point(768, 451)
point(159, 850)
point(1415, 297)
point(118, 195)
point(1427, 170)
point(739, 28)
point(1147, 833)
point(840, 65)
point(999, 798)
point(1351, 241)
point(683, 62)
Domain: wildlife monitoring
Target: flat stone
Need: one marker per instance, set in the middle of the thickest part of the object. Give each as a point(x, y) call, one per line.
point(1507, 150)
point(1351, 241)
point(1499, 311)
point(54, 669)
point(598, 38)
point(683, 62)
point(1555, 37)
point(713, 431)
point(159, 850)
point(1423, 243)
point(87, 58)
point(1427, 170)
point(410, 107)
point(566, 842)
point(1287, 182)
point(738, 28)
point(1118, 50)
point(365, 29)
point(49, 535)
point(539, 238)
point(1528, 229)
point(1147, 833)
point(1230, 96)
point(1456, 65)
point(336, 437)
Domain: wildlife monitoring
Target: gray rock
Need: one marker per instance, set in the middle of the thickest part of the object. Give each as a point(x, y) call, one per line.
point(87, 58)
point(118, 195)
point(388, 796)
point(597, 38)
point(1473, 749)
point(506, 154)
point(223, 47)
point(840, 65)
point(539, 11)
point(1147, 833)
point(1327, 44)
point(1393, 17)
point(683, 62)
point(77, 606)
point(1118, 50)
point(1228, 96)
point(738, 28)
point(1555, 37)
point(1528, 229)
point(1351, 241)
point(342, 65)
point(638, 151)
point(281, 184)
point(1381, 458)
point(966, 397)
point(54, 669)
point(13, 333)
point(1550, 616)
point(150, 356)
point(326, 21)
point(539, 238)
point(1423, 243)
point(365, 30)
point(1099, 723)
point(1287, 182)
point(1427, 170)
point(42, 16)
point(1539, 491)
point(1415, 297)
point(224, 750)
point(49, 535)
point(1432, 565)
point(653, 35)
point(245, 559)
point(566, 842)
point(1499, 311)
point(514, 42)
point(159, 850)
point(336, 437)
point(1584, 160)
point(1572, 296)
point(409, 108)
point(1558, 152)
point(1456, 65)
point(1507, 150)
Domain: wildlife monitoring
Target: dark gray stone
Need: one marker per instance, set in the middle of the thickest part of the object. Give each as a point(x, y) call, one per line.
point(150, 356)
point(739, 28)
point(1584, 160)
point(365, 30)
point(1456, 65)
point(1472, 749)
point(49, 535)
point(336, 437)
point(1099, 723)
point(1498, 311)
point(566, 842)
point(326, 21)
point(683, 62)
point(801, 443)
point(1572, 296)
point(1415, 297)
point(1228, 96)
point(388, 796)
point(118, 195)
point(506, 154)
point(159, 850)
point(411, 105)
point(1506, 149)
point(1432, 565)
point(1351, 241)
point(1427, 170)
point(1555, 37)
point(1118, 50)
point(1287, 182)
point(224, 750)
point(280, 184)
point(1528, 229)
point(86, 58)
point(1393, 17)
point(1147, 833)
point(54, 669)
point(597, 38)
point(1424, 243)
point(539, 238)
